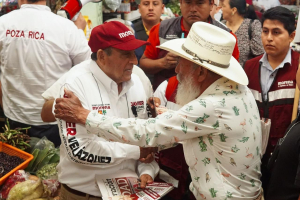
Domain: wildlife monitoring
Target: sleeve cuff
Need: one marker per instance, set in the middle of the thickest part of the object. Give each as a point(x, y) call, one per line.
point(147, 169)
point(132, 151)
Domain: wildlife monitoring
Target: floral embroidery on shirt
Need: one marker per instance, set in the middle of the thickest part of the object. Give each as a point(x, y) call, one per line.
point(235, 149)
point(184, 127)
point(223, 137)
point(157, 134)
point(202, 102)
point(210, 140)
point(202, 144)
point(242, 176)
point(206, 161)
point(223, 102)
point(244, 139)
point(217, 160)
point(117, 124)
point(197, 178)
point(201, 120)
point(245, 105)
point(137, 136)
point(229, 92)
point(236, 110)
point(189, 108)
point(228, 195)
point(216, 125)
point(252, 182)
point(213, 192)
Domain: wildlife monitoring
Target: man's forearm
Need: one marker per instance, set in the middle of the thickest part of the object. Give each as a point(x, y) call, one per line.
point(150, 66)
point(46, 114)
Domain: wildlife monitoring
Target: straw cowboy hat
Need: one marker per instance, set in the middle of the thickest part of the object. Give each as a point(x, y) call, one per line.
point(210, 47)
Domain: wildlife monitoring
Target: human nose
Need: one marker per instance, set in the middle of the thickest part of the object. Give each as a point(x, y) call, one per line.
point(133, 58)
point(151, 6)
point(270, 36)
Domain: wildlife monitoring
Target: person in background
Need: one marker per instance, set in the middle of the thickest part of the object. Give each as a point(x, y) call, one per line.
point(150, 11)
point(216, 12)
point(104, 83)
point(217, 124)
point(161, 63)
point(272, 76)
point(37, 47)
point(242, 20)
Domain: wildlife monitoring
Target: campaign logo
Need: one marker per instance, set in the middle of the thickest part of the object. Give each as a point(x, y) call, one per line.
point(101, 108)
point(136, 107)
point(286, 84)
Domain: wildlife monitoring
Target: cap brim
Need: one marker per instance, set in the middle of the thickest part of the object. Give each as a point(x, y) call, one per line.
point(130, 45)
point(234, 72)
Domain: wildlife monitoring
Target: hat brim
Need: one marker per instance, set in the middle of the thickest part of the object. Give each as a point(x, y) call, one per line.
point(130, 45)
point(234, 72)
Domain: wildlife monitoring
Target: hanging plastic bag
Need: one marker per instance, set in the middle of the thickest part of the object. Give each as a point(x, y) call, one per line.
point(112, 4)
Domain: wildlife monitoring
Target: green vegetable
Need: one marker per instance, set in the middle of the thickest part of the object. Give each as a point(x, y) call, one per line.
point(42, 155)
point(47, 171)
point(35, 153)
point(54, 159)
point(15, 137)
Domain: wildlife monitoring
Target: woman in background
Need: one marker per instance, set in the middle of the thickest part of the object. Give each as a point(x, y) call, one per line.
point(242, 20)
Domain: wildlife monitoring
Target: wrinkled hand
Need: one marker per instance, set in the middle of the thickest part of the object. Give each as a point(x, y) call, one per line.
point(80, 22)
point(146, 154)
point(70, 109)
point(145, 179)
point(170, 61)
point(153, 102)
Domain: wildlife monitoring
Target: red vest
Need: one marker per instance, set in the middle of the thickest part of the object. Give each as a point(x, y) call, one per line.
point(279, 106)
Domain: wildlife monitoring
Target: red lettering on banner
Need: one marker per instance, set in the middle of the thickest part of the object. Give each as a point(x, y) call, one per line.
point(71, 128)
point(42, 36)
point(22, 34)
point(17, 33)
point(30, 35)
point(7, 32)
point(13, 33)
point(37, 33)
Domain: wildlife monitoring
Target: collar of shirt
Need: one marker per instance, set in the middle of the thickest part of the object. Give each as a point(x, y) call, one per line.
point(265, 63)
point(186, 32)
point(146, 30)
point(106, 81)
point(38, 7)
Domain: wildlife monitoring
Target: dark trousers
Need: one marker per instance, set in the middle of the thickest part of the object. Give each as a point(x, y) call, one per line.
point(49, 131)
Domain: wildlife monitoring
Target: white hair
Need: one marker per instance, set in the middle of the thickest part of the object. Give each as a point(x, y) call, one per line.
point(187, 91)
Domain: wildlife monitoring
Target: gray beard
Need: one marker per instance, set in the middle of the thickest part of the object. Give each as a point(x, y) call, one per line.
point(186, 91)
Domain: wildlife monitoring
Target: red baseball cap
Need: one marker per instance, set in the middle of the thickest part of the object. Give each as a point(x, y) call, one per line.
point(114, 34)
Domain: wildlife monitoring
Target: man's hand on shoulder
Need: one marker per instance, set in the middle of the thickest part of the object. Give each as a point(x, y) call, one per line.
point(145, 179)
point(70, 109)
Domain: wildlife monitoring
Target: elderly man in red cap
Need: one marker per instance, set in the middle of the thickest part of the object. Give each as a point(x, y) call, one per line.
point(104, 83)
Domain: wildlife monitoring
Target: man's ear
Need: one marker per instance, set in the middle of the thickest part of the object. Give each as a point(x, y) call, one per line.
point(202, 73)
point(292, 36)
point(101, 55)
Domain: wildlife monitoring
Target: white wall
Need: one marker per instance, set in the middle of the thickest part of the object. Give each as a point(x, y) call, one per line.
point(94, 12)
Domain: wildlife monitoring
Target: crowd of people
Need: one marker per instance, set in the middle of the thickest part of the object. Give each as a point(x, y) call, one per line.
point(186, 96)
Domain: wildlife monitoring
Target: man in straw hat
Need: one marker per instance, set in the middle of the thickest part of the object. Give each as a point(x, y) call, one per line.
point(218, 123)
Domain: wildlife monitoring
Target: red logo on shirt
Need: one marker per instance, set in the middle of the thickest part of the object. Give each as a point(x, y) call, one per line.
point(31, 34)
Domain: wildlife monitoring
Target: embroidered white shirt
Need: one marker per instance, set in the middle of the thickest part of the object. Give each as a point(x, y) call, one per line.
point(221, 136)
